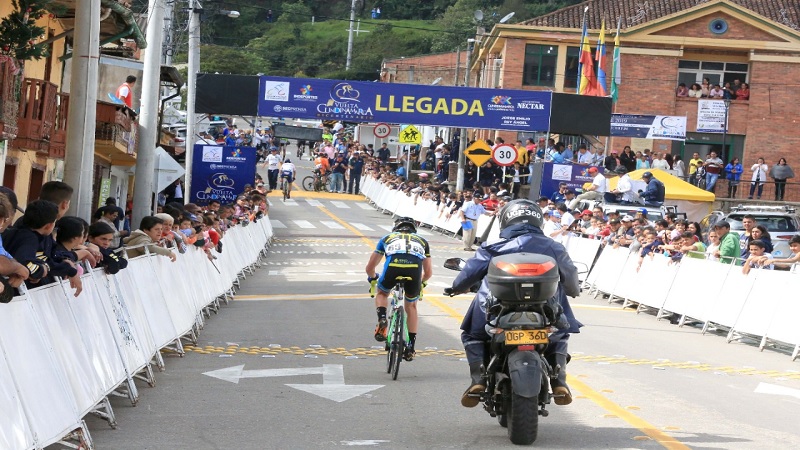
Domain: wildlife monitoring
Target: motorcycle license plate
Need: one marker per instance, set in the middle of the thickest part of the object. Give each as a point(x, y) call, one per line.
point(526, 337)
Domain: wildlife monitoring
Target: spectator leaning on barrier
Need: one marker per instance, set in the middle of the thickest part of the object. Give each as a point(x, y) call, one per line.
point(794, 244)
point(102, 235)
point(729, 243)
point(15, 272)
point(146, 236)
point(71, 236)
point(758, 257)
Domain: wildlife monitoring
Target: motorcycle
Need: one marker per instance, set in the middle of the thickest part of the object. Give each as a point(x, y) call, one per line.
point(522, 315)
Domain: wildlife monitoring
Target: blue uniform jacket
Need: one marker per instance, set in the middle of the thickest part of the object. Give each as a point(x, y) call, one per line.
point(521, 238)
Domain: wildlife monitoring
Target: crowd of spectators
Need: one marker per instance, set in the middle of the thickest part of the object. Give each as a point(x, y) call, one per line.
point(731, 91)
point(706, 173)
point(45, 245)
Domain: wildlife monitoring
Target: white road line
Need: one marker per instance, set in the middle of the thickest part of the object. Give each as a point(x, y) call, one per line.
point(276, 223)
point(361, 226)
point(290, 202)
point(313, 202)
point(363, 205)
point(273, 272)
point(332, 225)
point(339, 204)
point(387, 227)
point(304, 224)
point(422, 232)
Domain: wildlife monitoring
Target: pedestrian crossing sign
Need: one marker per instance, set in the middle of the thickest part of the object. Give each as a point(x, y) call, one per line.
point(410, 135)
point(479, 152)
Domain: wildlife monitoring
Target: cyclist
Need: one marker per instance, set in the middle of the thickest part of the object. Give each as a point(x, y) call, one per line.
point(407, 255)
point(322, 166)
point(520, 232)
point(288, 174)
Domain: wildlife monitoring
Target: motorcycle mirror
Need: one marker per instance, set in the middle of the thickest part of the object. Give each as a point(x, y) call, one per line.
point(454, 264)
point(582, 267)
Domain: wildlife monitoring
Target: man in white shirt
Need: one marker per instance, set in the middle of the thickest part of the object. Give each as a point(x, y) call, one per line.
point(552, 228)
point(596, 191)
point(584, 157)
point(624, 190)
point(660, 163)
point(273, 163)
point(470, 213)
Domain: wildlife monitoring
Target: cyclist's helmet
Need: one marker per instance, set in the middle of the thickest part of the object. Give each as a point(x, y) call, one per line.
point(288, 160)
point(406, 224)
point(520, 211)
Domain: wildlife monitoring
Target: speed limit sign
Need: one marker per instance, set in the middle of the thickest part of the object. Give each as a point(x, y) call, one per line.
point(382, 130)
point(504, 155)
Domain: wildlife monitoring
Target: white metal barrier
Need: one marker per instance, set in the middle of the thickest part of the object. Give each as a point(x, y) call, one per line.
point(755, 304)
point(61, 356)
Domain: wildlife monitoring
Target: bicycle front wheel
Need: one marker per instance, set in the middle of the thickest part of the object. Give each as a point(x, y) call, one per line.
point(398, 342)
point(308, 183)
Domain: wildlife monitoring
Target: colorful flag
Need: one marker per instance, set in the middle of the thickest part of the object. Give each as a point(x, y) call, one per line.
point(616, 73)
point(588, 81)
point(600, 56)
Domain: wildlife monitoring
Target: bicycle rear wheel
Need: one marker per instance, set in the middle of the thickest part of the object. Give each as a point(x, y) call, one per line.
point(398, 342)
point(308, 183)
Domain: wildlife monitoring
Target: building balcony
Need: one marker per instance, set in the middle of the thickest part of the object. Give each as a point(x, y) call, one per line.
point(115, 135)
point(42, 118)
point(9, 106)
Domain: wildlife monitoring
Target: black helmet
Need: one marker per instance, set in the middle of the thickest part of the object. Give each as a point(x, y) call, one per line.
point(647, 175)
point(621, 170)
point(405, 224)
point(520, 211)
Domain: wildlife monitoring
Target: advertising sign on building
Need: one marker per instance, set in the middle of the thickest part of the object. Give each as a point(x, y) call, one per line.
point(575, 176)
point(220, 173)
point(711, 116)
point(354, 101)
point(649, 127)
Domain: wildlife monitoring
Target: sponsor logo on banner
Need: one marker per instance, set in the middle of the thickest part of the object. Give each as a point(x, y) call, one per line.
point(236, 155)
point(279, 108)
point(276, 91)
point(212, 154)
point(305, 94)
point(344, 102)
point(530, 105)
point(500, 103)
point(221, 175)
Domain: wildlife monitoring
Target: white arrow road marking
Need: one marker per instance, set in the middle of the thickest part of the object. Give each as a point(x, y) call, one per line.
point(774, 389)
point(332, 387)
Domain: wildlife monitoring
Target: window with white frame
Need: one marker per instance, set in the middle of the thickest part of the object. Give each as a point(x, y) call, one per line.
point(691, 72)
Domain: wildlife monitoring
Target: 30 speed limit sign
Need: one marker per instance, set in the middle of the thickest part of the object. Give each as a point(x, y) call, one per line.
point(382, 130)
point(504, 155)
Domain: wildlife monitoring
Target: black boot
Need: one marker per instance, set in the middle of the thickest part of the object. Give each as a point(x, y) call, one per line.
point(470, 398)
point(561, 393)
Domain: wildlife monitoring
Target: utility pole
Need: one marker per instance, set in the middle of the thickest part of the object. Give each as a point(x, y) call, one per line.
point(79, 159)
point(148, 119)
point(462, 158)
point(195, 8)
point(350, 35)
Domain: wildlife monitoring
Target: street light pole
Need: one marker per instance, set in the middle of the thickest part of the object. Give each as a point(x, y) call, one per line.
point(350, 36)
point(193, 66)
point(727, 102)
point(148, 119)
point(462, 159)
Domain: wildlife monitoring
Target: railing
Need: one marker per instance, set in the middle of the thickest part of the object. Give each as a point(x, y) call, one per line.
point(115, 125)
point(724, 190)
point(37, 113)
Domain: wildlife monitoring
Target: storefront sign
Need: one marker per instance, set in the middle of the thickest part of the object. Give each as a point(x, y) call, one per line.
point(354, 101)
point(711, 115)
point(650, 127)
point(105, 191)
point(220, 173)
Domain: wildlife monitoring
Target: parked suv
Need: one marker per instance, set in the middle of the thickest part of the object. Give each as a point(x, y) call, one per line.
point(782, 222)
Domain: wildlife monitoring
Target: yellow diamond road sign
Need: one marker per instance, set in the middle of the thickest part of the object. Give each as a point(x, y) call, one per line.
point(479, 152)
point(410, 135)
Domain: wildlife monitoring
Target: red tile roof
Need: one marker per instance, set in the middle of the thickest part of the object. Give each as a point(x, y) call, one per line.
point(636, 12)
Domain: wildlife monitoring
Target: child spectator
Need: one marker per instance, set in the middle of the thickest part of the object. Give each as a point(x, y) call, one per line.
point(146, 236)
point(71, 236)
point(102, 235)
point(16, 272)
point(682, 90)
point(758, 257)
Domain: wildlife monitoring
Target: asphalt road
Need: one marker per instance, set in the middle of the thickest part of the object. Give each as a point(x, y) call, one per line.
point(639, 383)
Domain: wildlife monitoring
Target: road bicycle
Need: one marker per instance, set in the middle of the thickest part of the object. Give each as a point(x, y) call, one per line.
point(301, 148)
point(284, 188)
point(397, 338)
point(315, 183)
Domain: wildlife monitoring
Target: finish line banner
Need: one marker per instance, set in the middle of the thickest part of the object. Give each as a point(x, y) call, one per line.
point(650, 127)
point(220, 173)
point(358, 101)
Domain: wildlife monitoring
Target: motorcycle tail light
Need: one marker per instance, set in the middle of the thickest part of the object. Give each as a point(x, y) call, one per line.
point(495, 330)
point(525, 269)
point(526, 348)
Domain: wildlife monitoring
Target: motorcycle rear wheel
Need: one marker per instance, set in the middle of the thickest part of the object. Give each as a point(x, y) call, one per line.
point(523, 419)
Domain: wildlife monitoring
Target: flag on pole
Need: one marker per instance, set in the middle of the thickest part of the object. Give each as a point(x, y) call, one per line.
point(588, 81)
point(600, 56)
point(616, 73)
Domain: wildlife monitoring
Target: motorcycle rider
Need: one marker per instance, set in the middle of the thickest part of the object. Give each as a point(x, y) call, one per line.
point(407, 255)
point(520, 232)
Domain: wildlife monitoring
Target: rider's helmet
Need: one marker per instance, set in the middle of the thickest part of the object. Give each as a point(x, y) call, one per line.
point(406, 224)
point(288, 160)
point(520, 211)
point(647, 175)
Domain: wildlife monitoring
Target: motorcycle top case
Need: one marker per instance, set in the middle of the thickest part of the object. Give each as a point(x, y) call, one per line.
point(523, 278)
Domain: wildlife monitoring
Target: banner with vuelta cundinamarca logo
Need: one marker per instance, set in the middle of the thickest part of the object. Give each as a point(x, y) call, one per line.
point(353, 101)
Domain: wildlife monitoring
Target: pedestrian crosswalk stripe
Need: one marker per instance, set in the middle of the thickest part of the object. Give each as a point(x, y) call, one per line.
point(276, 223)
point(363, 205)
point(387, 227)
point(313, 202)
point(304, 224)
point(332, 225)
point(339, 204)
point(422, 232)
point(290, 202)
point(361, 226)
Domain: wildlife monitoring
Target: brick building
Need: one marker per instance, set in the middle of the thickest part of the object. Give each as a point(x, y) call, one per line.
point(664, 43)
point(426, 69)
